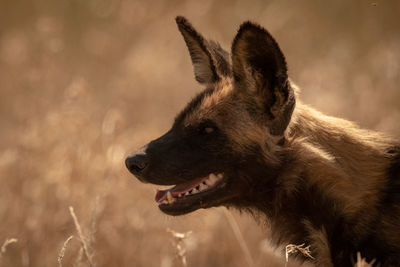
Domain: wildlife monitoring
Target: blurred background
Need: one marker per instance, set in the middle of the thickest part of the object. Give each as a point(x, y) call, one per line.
point(85, 82)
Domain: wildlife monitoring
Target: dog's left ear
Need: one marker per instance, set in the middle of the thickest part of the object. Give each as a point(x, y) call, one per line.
point(203, 63)
point(259, 69)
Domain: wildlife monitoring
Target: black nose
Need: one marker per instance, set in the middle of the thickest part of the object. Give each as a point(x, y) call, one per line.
point(136, 163)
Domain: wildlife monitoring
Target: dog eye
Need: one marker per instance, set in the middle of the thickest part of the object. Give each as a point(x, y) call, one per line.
point(208, 130)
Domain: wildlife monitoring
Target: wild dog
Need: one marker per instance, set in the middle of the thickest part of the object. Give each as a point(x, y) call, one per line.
point(246, 141)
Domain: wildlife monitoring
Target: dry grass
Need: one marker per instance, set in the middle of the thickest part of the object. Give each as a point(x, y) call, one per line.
point(84, 244)
point(361, 262)
point(61, 254)
point(239, 237)
point(84, 83)
point(6, 243)
point(297, 249)
point(179, 239)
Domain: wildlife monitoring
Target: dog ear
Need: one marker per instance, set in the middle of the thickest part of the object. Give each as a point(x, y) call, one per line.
point(204, 66)
point(259, 69)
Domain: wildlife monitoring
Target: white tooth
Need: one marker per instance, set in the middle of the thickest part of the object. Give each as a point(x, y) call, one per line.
point(194, 191)
point(213, 178)
point(165, 202)
point(169, 197)
point(187, 193)
point(203, 187)
point(209, 182)
point(179, 195)
point(220, 175)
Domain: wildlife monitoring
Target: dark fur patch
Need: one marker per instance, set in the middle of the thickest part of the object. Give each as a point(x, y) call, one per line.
point(392, 191)
point(279, 124)
point(385, 223)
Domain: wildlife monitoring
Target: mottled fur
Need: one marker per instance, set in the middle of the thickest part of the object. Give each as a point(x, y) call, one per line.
point(313, 178)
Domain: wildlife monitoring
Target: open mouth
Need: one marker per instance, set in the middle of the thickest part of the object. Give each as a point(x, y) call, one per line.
point(191, 195)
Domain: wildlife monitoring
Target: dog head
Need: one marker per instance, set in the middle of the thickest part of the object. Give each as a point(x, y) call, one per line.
point(227, 135)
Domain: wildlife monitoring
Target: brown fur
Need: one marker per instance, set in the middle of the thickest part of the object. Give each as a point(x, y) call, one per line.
point(313, 178)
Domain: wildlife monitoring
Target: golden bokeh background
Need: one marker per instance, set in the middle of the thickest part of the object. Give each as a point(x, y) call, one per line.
point(85, 82)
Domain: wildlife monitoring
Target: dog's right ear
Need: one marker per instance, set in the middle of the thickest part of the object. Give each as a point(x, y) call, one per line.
point(259, 70)
point(257, 60)
point(204, 66)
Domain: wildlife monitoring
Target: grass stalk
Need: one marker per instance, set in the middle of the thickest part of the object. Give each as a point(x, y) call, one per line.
point(81, 237)
point(62, 251)
point(239, 237)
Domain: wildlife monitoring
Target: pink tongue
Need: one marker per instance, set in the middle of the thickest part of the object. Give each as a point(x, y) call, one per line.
point(178, 189)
